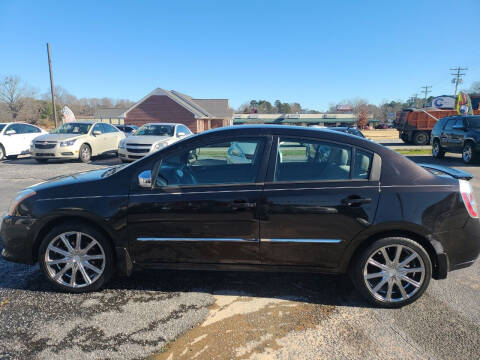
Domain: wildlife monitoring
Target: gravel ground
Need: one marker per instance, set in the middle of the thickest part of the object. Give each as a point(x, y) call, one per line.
point(210, 315)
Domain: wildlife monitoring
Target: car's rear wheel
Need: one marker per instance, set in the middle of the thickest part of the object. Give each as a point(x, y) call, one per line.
point(85, 153)
point(392, 272)
point(469, 155)
point(420, 138)
point(76, 257)
point(437, 151)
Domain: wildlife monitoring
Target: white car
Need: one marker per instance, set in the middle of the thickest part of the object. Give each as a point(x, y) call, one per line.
point(15, 139)
point(150, 138)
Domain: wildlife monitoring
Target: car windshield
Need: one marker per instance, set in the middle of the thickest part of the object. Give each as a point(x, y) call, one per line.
point(72, 128)
point(155, 130)
point(474, 122)
point(1, 127)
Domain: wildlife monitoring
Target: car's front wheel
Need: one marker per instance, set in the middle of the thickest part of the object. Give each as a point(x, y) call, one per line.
point(2, 152)
point(76, 257)
point(469, 155)
point(392, 272)
point(85, 153)
point(437, 151)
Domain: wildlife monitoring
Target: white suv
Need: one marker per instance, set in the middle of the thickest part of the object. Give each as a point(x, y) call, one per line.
point(15, 139)
point(150, 138)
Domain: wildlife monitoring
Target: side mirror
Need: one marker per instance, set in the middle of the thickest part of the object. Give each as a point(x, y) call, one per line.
point(145, 179)
point(181, 134)
point(10, 132)
point(97, 132)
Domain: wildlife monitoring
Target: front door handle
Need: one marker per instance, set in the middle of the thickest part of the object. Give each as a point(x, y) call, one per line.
point(240, 204)
point(356, 200)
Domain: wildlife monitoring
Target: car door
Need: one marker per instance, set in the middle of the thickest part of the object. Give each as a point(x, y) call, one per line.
point(318, 196)
point(201, 207)
point(30, 132)
point(13, 142)
point(457, 134)
point(446, 136)
point(98, 139)
point(112, 137)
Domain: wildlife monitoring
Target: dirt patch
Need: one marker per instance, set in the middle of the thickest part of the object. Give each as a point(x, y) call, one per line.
point(239, 327)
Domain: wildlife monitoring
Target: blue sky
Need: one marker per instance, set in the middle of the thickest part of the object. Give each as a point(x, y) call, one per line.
point(312, 52)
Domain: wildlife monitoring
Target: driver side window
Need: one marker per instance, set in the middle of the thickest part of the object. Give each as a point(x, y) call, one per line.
point(226, 162)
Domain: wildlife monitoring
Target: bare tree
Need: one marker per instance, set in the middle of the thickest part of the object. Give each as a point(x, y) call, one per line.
point(12, 94)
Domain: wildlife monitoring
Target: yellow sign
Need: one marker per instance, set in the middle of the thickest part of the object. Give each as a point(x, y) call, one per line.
point(464, 104)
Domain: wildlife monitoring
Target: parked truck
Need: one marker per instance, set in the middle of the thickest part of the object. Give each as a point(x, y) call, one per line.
point(415, 125)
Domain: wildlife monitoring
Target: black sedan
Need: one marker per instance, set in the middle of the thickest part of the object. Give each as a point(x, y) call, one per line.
point(273, 198)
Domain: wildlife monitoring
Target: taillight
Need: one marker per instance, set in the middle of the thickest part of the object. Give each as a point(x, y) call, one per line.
point(468, 198)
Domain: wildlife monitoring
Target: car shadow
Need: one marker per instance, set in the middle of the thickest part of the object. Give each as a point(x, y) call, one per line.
point(335, 290)
point(107, 160)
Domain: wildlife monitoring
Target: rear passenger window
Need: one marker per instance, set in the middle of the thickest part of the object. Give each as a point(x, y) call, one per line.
point(299, 160)
point(363, 163)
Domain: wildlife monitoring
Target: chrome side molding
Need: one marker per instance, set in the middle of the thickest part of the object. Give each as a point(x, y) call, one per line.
point(318, 241)
point(196, 239)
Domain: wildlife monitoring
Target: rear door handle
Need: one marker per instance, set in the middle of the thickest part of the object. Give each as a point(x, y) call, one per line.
point(356, 200)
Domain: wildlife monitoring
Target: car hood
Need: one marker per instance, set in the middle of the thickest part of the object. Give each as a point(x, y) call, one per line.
point(134, 139)
point(58, 137)
point(56, 184)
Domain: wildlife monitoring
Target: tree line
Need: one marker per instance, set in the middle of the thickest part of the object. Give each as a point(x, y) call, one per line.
point(20, 102)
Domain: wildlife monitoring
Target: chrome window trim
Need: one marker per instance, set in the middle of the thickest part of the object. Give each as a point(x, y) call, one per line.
point(317, 241)
point(196, 239)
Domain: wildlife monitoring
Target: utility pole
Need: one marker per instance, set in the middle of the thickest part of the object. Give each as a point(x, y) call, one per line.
point(426, 90)
point(51, 85)
point(458, 78)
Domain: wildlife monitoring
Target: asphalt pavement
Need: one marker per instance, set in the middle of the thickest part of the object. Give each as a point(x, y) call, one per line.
point(226, 315)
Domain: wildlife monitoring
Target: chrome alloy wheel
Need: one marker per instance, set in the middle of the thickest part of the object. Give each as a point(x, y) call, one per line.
point(467, 153)
point(394, 273)
point(74, 259)
point(436, 149)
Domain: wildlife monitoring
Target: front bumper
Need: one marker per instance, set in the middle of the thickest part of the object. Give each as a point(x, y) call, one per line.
point(17, 242)
point(58, 152)
point(126, 155)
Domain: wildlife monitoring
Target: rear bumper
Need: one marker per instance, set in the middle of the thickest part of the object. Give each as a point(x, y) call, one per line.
point(18, 244)
point(462, 246)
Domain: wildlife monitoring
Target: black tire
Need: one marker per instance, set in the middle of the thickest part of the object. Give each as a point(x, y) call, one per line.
point(437, 151)
point(420, 138)
point(85, 153)
point(90, 231)
point(2, 152)
point(12, 157)
point(469, 156)
point(359, 269)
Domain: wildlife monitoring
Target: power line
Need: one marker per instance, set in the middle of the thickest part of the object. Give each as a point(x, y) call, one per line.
point(426, 90)
point(458, 77)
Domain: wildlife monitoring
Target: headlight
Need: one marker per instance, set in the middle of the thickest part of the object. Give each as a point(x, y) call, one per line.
point(68, 142)
point(22, 195)
point(121, 145)
point(160, 145)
